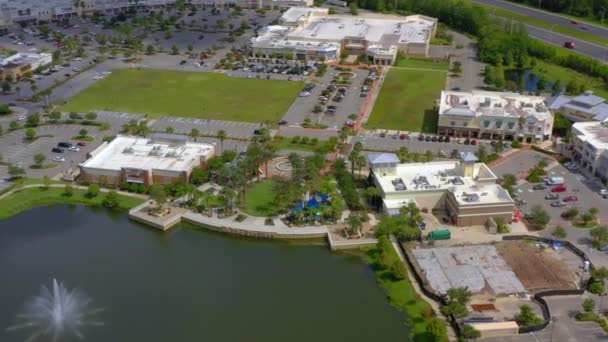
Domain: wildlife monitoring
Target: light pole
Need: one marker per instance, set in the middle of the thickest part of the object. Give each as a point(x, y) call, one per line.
point(603, 13)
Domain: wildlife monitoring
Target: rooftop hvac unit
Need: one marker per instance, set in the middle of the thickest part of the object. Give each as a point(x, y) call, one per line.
point(128, 150)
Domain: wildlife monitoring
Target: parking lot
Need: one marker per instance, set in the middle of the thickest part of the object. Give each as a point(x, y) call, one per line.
point(233, 129)
point(563, 327)
point(350, 103)
point(392, 143)
point(19, 152)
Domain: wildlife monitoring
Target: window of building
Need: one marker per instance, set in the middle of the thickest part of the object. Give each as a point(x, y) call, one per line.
point(453, 123)
point(486, 123)
point(465, 124)
point(498, 124)
point(511, 125)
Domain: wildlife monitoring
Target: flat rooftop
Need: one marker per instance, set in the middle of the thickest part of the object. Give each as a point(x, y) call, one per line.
point(146, 154)
point(275, 36)
point(412, 29)
point(22, 58)
point(584, 103)
point(478, 267)
point(293, 14)
point(488, 103)
point(593, 132)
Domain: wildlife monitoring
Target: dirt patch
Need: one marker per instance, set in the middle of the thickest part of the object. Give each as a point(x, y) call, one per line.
point(537, 268)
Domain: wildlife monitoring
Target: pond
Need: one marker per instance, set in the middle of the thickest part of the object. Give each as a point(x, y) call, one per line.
point(526, 80)
point(189, 284)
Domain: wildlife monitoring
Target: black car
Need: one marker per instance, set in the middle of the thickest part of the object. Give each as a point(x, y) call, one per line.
point(441, 138)
point(539, 187)
point(421, 137)
point(447, 139)
point(64, 144)
point(283, 122)
point(183, 62)
point(434, 139)
point(427, 138)
point(57, 150)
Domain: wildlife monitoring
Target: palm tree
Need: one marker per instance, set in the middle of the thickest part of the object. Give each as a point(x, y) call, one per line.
point(228, 193)
point(460, 294)
point(195, 133)
point(354, 223)
point(221, 135)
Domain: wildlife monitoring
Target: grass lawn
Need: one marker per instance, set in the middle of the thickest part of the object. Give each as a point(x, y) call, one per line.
point(570, 31)
point(407, 100)
point(28, 198)
point(258, 199)
point(422, 64)
point(401, 294)
point(555, 72)
point(188, 94)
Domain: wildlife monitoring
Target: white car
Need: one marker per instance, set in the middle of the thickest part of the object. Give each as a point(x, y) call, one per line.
point(77, 59)
point(21, 118)
point(106, 73)
point(604, 193)
point(74, 69)
point(304, 94)
point(97, 77)
point(58, 159)
point(74, 149)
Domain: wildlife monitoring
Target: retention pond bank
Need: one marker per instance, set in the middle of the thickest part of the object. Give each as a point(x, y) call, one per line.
point(190, 284)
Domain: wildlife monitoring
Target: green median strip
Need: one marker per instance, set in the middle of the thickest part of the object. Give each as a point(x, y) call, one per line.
point(546, 25)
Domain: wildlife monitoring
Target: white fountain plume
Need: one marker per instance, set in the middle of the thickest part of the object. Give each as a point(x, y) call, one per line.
point(56, 312)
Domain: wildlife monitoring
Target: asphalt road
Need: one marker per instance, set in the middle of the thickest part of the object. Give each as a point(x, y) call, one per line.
point(583, 47)
point(545, 16)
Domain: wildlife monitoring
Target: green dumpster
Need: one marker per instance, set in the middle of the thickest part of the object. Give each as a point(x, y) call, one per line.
point(440, 235)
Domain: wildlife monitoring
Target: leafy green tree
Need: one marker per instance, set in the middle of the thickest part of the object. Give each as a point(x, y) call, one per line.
point(354, 9)
point(93, 190)
point(599, 236)
point(354, 223)
point(68, 190)
point(460, 294)
point(55, 115)
point(39, 159)
point(195, 133)
point(30, 133)
point(91, 116)
point(596, 287)
point(588, 305)
point(470, 333)
point(174, 50)
point(6, 87)
point(599, 273)
point(221, 135)
point(33, 120)
point(527, 317)
point(436, 328)
point(111, 200)
point(83, 133)
point(398, 270)
point(15, 171)
point(158, 194)
point(559, 233)
point(540, 218)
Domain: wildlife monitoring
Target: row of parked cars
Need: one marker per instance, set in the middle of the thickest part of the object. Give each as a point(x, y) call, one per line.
point(63, 146)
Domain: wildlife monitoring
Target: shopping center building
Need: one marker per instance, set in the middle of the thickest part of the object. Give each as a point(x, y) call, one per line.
point(461, 192)
point(12, 68)
point(311, 33)
point(162, 159)
point(494, 115)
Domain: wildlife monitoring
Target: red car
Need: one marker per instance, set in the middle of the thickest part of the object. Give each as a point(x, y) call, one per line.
point(82, 143)
point(570, 199)
point(567, 215)
point(569, 45)
point(403, 137)
point(473, 142)
point(559, 188)
point(349, 123)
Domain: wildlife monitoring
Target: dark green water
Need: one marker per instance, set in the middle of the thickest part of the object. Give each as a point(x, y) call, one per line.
point(190, 285)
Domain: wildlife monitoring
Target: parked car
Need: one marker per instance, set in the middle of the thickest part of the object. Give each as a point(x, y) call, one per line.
point(467, 141)
point(529, 215)
point(58, 159)
point(427, 138)
point(570, 199)
point(81, 143)
point(559, 188)
point(64, 144)
point(552, 196)
point(567, 215)
point(539, 187)
point(558, 204)
point(304, 93)
point(57, 150)
point(421, 137)
point(569, 45)
point(403, 137)
point(73, 149)
point(473, 142)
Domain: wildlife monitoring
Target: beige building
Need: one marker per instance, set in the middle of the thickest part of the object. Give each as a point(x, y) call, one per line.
point(162, 159)
point(312, 33)
point(465, 192)
point(494, 115)
point(13, 68)
point(584, 107)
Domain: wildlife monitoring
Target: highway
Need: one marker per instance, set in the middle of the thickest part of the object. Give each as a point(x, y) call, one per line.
point(546, 16)
point(583, 47)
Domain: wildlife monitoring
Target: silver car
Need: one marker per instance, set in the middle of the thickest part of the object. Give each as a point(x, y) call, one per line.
point(558, 204)
point(551, 196)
